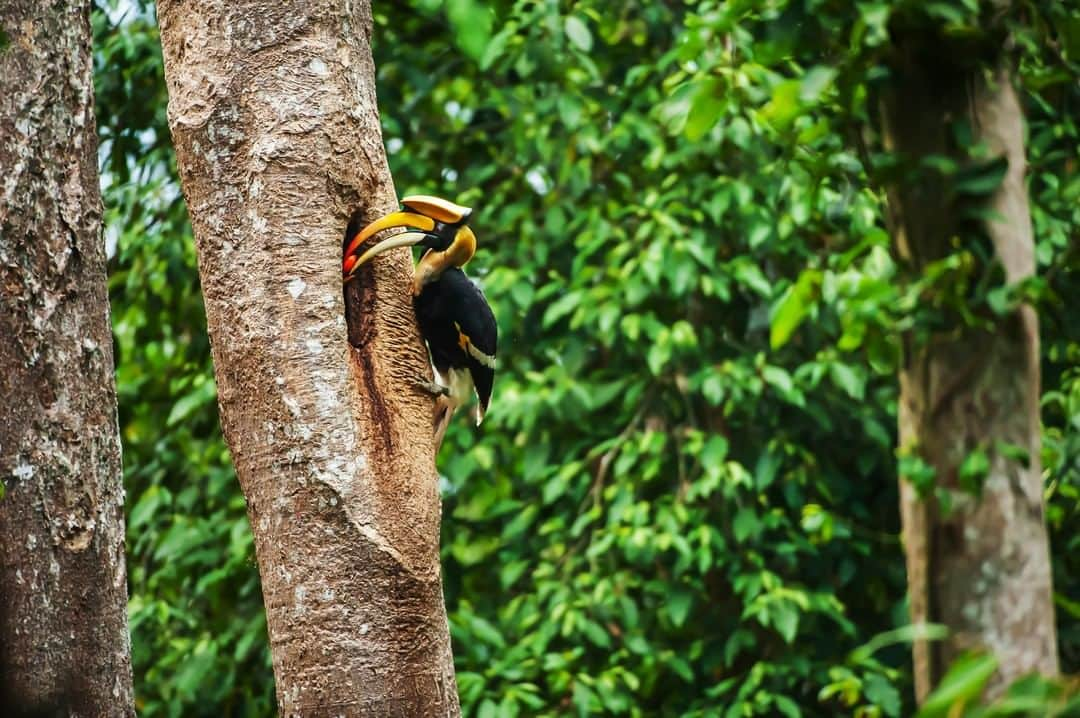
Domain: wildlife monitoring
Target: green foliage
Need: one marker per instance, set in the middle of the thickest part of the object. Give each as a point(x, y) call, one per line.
point(683, 501)
point(958, 694)
point(962, 684)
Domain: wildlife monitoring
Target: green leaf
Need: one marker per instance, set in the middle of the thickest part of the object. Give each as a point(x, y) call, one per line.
point(145, 507)
point(1068, 27)
point(177, 541)
point(254, 632)
point(595, 633)
point(745, 525)
point(682, 668)
point(749, 275)
point(561, 307)
point(962, 683)
point(974, 470)
point(784, 106)
point(675, 110)
point(715, 451)
point(570, 110)
point(785, 618)
point(1014, 452)
point(488, 709)
point(851, 380)
point(915, 469)
point(793, 307)
point(201, 396)
point(496, 47)
point(705, 109)
point(778, 378)
point(578, 33)
point(904, 634)
point(883, 694)
point(658, 355)
point(472, 27)
point(765, 470)
point(584, 698)
point(874, 18)
point(982, 179)
point(485, 631)
point(194, 669)
point(787, 706)
point(815, 82)
point(678, 605)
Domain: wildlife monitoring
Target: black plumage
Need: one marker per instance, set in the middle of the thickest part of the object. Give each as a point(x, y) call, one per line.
point(460, 329)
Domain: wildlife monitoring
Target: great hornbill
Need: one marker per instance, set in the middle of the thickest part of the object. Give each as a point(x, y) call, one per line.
point(455, 319)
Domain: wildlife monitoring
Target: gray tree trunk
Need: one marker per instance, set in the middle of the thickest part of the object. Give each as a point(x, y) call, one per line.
point(64, 646)
point(981, 568)
point(273, 115)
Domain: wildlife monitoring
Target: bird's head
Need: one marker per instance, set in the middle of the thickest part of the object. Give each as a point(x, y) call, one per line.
point(435, 224)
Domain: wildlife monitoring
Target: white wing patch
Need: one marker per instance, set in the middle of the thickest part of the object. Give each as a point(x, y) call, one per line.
point(465, 343)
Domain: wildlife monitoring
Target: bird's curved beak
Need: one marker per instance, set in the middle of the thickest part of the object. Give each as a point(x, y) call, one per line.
point(394, 219)
point(353, 262)
point(431, 218)
point(411, 220)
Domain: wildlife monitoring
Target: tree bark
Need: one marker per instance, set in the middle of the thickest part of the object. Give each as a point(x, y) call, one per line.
point(981, 566)
point(64, 645)
point(273, 114)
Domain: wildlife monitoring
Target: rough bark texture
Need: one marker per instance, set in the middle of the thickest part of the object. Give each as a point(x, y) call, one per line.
point(983, 568)
point(273, 114)
point(64, 647)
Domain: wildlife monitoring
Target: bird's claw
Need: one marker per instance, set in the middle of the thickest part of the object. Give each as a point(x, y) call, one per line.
point(431, 387)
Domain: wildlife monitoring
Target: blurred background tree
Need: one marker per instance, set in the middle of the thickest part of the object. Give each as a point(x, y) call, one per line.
point(684, 500)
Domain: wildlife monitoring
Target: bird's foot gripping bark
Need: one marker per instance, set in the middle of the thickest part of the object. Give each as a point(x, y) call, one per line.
point(432, 387)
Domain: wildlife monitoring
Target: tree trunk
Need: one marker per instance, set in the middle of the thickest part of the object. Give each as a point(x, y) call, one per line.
point(273, 115)
point(980, 566)
point(64, 646)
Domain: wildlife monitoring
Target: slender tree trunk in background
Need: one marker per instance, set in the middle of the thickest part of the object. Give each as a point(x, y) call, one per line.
point(64, 645)
point(983, 567)
point(273, 115)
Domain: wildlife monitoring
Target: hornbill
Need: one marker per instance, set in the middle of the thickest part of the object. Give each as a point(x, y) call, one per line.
point(454, 317)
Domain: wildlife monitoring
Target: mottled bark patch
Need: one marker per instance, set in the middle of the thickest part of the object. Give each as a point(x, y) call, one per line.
point(64, 646)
